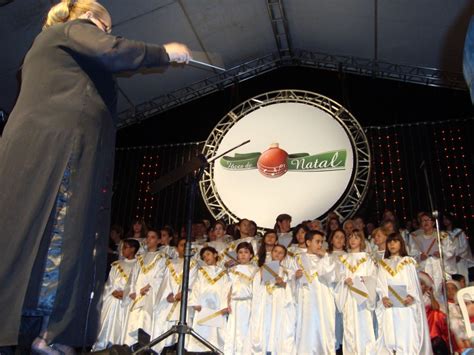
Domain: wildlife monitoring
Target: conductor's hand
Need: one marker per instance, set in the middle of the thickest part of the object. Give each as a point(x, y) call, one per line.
point(178, 53)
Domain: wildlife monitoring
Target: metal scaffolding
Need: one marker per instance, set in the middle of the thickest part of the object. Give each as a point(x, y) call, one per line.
point(303, 58)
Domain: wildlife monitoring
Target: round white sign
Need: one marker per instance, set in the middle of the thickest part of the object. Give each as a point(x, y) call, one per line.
point(299, 161)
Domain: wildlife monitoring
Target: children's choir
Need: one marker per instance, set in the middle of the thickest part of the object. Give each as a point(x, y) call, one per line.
point(307, 291)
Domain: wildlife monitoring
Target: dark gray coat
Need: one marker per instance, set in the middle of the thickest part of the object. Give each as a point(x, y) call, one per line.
point(61, 134)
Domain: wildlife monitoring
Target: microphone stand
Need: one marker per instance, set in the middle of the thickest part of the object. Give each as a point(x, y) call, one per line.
point(435, 215)
point(182, 328)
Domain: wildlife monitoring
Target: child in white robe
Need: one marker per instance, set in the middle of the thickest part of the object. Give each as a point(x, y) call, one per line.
point(144, 282)
point(315, 325)
point(168, 298)
point(210, 292)
point(298, 244)
point(336, 249)
point(357, 318)
point(166, 235)
point(403, 329)
point(273, 317)
point(115, 299)
point(240, 300)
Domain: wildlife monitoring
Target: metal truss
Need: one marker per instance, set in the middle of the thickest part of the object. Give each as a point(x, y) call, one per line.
point(354, 195)
point(199, 89)
point(322, 61)
point(280, 27)
point(380, 69)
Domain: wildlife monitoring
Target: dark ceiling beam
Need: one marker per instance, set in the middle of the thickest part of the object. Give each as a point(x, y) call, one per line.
point(322, 61)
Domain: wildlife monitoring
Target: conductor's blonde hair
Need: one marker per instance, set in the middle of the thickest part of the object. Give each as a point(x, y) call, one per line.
point(68, 10)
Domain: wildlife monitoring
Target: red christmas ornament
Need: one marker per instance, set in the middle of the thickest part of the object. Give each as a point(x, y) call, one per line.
point(273, 162)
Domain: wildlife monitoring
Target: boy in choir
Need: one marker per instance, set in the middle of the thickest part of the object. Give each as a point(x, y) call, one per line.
point(168, 298)
point(144, 282)
point(273, 316)
point(240, 300)
point(315, 325)
point(402, 324)
point(114, 299)
point(209, 298)
point(336, 249)
point(356, 304)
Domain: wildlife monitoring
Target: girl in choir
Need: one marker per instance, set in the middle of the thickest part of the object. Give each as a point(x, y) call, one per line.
point(298, 245)
point(166, 236)
point(337, 248)
point(114, 298)
point(144, 283)
point(264, 253)
point(210, 293)
point(168, 299)
point(357, 316)
point(273, 320)
point(315, 326)
point(402, 329)
point(240, 300)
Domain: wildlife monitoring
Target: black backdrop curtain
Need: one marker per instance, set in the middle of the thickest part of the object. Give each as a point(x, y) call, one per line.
point(397, 181)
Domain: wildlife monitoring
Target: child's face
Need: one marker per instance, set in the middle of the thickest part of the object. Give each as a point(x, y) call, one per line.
point(284, 225)
point(244, 256)
point(394, 247)
point(165, 237)
point(338, 241)
point(424, 287)
point(270, 239)
point(380, 238)
point(152, 240)
point(359, 224)
point(354, 242)
point(128, 251)
point(314, 245)
point(209, 257)
point(180, 247)
point(278, 253)
point(137, 227)
point(219, 231)
point(451, 291)
point(300, 236)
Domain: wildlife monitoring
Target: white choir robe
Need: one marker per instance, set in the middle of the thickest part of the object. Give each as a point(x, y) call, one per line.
point(114, 310)
point(166, 314)
point(238, 323)
point(295, 250)
point(462, 250)
point(315, 317)
point(210, 290)
point(338, 268)
point(428, 244)
point(402, 330)
point(169, 251)
point(147, 271)
point(273, 317)
point(357, 319)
